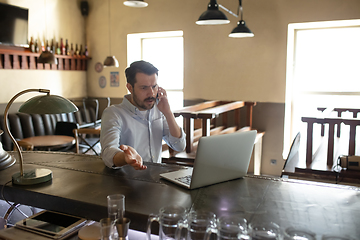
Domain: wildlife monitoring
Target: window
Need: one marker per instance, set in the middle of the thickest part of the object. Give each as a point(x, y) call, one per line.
point(323, 62)
point(165, 50)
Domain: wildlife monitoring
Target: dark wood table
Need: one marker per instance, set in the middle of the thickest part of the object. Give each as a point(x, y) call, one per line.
point(81, 183)
point(48, 142)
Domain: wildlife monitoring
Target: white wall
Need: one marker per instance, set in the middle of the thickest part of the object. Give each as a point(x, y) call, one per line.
point(216, 66)
point(61, 19)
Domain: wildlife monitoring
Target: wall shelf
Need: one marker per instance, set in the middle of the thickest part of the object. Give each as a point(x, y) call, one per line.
point(23, 58)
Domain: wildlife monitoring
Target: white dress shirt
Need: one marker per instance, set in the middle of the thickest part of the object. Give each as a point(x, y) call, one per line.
point(126, 124)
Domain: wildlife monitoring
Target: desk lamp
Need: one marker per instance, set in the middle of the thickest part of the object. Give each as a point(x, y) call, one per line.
point(44, 104)
point(6, 160)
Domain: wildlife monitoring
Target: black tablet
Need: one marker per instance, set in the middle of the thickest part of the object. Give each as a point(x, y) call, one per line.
point(51, 224)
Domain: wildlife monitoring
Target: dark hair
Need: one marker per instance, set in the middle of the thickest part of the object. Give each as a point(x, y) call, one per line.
point(139, 67)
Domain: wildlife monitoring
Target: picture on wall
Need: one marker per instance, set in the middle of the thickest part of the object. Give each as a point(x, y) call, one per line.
point(102, 81)
point(114, 79)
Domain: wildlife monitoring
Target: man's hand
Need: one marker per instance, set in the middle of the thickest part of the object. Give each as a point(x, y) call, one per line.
point(163, 104)
point(132, 157)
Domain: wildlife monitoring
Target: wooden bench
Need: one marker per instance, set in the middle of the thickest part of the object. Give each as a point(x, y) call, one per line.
point(331, 122)
point(207, 113)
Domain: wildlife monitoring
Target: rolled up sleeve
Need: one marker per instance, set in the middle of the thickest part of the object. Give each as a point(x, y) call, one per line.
point(178, 144)
point(110, 136)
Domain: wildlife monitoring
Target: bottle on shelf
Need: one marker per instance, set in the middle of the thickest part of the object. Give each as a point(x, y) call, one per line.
point(57, 49)
point(71, 50)
point(53, 47)
point(62, 47)
point(42, 46)
point(36, 46)
point(86, 52)
point(32, 45)
point(67, 48)
point(47, 47)
point(76, 50)
point(80, 50)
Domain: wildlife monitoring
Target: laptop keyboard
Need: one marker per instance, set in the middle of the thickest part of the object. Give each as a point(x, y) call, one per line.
point(185, 179)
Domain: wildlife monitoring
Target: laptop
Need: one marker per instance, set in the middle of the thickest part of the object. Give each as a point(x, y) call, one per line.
point(218, 158)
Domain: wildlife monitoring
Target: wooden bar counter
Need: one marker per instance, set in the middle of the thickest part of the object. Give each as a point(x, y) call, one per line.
point(81, 183)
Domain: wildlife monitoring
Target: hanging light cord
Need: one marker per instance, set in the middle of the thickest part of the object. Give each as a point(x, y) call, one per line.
point(109, 32)
point(241, 10)
point(45, 23)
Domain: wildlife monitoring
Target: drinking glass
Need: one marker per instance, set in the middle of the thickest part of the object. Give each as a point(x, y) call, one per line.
point(116, 209)
point(232, 227)
point(116, 206)
point(168, 218)
point(336, 237)
point(292, 233)
point(196, 224)
point(105, 228)
point(265, 231)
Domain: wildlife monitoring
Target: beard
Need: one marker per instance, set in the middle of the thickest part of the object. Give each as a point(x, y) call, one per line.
point(147, 103)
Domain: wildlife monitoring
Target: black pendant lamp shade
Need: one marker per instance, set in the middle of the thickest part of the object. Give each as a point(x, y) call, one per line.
point(212, 16)
point(241, 31)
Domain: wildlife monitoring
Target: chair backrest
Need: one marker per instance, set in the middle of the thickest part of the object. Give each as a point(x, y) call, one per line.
point(290, 162)
point(65, 128)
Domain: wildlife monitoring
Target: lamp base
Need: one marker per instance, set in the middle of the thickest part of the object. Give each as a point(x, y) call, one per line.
point(33, 176)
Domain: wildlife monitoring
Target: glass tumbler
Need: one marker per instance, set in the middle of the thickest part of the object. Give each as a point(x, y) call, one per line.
point(265, 231)
point(196, 225)
point(116, 206)
point(231, 227)
point(168, 219)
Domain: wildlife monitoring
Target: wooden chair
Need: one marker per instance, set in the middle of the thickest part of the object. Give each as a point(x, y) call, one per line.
point(207, 113)
point(82, 141)
point(331, 122)
point(290, 162)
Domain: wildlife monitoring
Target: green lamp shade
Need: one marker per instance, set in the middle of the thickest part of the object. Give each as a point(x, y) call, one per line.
point(48, 104)
point(241, 31)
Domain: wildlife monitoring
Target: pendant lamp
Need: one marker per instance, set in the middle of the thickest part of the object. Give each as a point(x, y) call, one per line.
point(136, 3)
point(110, 61)
point(241, 30)
point(46, 56)
point(212, 16)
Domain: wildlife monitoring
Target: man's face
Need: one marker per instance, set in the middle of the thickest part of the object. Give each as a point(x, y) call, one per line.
point(143, 94)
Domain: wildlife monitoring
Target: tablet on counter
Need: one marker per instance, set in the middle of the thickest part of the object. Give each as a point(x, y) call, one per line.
point(52, 224)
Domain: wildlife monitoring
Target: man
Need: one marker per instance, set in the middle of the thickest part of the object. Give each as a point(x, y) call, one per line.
point(132, 132)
